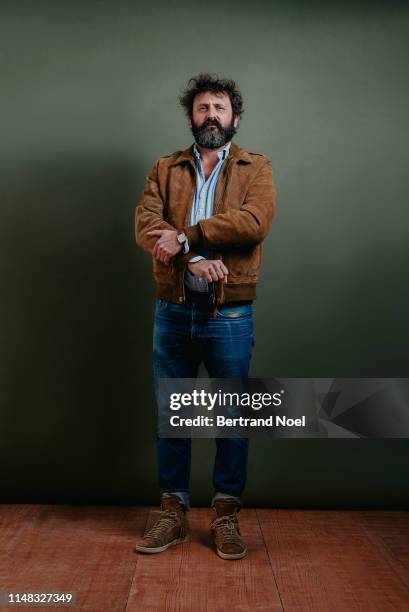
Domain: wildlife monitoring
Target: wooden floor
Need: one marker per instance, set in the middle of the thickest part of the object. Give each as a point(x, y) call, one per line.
point(297, 560)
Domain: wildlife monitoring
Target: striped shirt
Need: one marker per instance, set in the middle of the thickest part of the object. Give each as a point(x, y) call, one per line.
point(202, 208)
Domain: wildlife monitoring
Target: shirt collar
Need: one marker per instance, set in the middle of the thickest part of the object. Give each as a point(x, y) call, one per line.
point(221, 154)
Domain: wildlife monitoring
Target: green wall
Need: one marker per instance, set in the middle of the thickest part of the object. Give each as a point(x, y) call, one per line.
point(88, 102)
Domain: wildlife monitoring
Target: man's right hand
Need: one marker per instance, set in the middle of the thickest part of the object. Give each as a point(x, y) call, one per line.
point(209, 269)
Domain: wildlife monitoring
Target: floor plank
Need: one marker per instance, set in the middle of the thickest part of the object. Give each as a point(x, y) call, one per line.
point(192, 577)
point(389, 532)
point(71, 548)
point(323, 560)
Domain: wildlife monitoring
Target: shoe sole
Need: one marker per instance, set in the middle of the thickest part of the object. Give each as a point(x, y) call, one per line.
point(159, 549)
point(231, 556)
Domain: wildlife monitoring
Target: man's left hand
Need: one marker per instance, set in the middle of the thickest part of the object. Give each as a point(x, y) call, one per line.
point(166, 246)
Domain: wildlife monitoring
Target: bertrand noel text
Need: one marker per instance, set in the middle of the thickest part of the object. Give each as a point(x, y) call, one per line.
point(222, 421)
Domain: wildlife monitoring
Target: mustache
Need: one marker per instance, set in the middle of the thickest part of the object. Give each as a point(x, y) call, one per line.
point(210, 122)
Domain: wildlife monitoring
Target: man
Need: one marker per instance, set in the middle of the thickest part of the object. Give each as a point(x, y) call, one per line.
point(203, 216)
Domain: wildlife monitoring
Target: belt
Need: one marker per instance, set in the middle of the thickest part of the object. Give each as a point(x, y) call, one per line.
point(198, 297)
point(204, 298)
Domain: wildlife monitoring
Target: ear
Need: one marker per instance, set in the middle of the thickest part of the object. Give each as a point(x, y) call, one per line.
point(236, 121)
point(189, 122)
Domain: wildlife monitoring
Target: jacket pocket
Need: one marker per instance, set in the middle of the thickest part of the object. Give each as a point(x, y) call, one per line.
point(255, 260)
point(244, 263)
point(164, 274)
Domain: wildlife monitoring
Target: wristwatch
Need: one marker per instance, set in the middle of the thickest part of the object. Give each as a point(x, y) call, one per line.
point(181, 238)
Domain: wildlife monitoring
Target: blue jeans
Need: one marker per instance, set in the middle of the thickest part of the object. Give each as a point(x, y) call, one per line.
point(184, 335)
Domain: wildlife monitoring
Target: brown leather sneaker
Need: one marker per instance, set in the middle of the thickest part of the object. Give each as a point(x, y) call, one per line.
point(225, 530)
point(169, 529)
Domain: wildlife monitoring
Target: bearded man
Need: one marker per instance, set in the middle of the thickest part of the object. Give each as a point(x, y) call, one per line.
point(203, 217)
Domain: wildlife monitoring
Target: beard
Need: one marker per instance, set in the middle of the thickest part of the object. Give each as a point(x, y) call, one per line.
point(208, 138)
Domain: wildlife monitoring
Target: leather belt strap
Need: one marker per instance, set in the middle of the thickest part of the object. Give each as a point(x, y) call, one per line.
point(204, 298)
point(198, 297)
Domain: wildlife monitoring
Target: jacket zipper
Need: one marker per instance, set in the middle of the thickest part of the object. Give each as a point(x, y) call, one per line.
point(216, 208)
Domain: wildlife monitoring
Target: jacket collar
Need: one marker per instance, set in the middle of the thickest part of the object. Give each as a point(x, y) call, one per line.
point(238, 154)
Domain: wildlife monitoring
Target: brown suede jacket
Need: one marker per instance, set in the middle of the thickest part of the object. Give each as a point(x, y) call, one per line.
point(244, 207)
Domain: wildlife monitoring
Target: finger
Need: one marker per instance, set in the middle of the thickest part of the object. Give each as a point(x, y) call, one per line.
point(213, 273)
point(206, 275)
point(220, 266)
point(155, 233)
point(166, 255)
point(219, 272)
point(209, 272)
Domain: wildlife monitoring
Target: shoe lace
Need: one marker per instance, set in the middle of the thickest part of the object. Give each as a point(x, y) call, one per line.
point(164, 522)
point(227, 528)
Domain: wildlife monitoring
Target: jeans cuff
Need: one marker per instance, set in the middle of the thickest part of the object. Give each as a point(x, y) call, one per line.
point(183, 496)
point(220, 495)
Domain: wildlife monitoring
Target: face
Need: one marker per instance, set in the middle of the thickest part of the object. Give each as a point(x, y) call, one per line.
point(213, 123)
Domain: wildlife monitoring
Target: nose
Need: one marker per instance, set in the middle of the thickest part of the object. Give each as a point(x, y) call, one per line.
point(211, 114)
point(211, 117)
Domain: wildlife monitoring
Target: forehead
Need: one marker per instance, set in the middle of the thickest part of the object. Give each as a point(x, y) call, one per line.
point(212, 97)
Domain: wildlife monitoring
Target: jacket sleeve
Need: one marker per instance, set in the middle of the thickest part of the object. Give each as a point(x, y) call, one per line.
point(149, 212)
point(247, 226)
point(149, 215)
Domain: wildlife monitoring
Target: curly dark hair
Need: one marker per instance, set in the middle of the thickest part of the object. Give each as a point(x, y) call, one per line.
point(211, 82)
